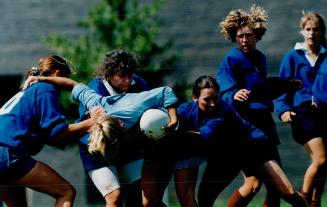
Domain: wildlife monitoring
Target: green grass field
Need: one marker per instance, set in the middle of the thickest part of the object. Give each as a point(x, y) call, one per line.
point(223, 198)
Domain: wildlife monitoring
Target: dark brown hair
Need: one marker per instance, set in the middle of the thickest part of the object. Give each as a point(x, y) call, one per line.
point(204, 82)
point(117, 62)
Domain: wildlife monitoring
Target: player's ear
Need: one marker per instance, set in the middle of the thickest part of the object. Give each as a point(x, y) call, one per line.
point(194, 98)
point(57, 73)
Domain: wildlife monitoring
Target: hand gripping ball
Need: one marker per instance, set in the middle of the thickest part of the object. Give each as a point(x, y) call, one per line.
point(152, 121)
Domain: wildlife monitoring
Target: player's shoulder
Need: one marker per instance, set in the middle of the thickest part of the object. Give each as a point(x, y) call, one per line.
point(187, 108)
point(42, 87)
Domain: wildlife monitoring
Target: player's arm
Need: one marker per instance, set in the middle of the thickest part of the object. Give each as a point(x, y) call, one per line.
point(60, 81)
point(74, 131)
point(172, 112)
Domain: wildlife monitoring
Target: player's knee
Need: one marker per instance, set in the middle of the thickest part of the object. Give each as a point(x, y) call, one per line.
point(113, 198)
point(290, 192)
point(70, 192)
point(252, 187)
point(256, 185)
point(67, 191)
point(321, 162)
point(151, 202)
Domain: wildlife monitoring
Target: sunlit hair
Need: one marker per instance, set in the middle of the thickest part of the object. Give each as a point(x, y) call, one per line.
point(104, 137)
point(257, 18)
point(316, 19)
point(48, 64)
point(117, 62)
point(204, 82)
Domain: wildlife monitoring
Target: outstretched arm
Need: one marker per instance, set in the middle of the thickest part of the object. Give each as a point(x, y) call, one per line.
point(60, 81)
point(74, 131)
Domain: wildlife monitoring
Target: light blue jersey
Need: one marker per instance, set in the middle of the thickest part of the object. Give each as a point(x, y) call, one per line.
point(127, 107)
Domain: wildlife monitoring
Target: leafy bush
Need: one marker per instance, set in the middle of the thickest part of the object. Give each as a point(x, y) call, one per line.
point(113, 24)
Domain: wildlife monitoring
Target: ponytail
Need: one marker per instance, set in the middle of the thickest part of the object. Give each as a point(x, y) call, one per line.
point(105, 137)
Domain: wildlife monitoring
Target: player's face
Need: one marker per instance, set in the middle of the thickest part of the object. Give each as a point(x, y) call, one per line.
point(208, 100)
point(245, 39)
point(121, 82)
point(311, 33)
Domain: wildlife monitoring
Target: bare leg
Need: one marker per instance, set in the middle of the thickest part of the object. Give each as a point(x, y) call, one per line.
point(272, 198)
point(215, 179)
point(155, 178)
point(113, 198)
point(133, 194)
point(250, 187)
point(274, 177)
point(13, 195)
point(44, 179)
point(245, 193)
point(315, 176)
point(185, 182)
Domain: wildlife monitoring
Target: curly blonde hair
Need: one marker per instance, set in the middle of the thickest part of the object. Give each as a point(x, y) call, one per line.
point(105, 137)
point(257, 18)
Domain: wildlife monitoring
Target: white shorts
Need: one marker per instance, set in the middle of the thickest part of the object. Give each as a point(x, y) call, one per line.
point(107, 179)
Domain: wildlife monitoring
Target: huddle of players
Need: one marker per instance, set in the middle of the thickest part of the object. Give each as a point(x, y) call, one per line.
point(228, 123)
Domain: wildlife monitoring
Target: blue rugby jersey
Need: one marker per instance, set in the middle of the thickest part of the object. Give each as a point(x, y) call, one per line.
point(31, 118)
point(237, 71)
point(224, 124)
point(319, 87)
point(295, 65)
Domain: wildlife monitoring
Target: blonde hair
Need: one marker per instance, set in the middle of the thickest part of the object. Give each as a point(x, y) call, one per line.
point(48, 64)
point(257, 18)
point(105, 137)
point(319, 20)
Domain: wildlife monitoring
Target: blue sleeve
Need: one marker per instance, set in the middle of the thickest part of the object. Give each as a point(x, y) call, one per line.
point(51, 118)
point(169, 98)
point(89, 97)
point(210, 129)
point(226, 80)
point(96, 85)
point(319, 87)
point(282, 103)
point(157, 97)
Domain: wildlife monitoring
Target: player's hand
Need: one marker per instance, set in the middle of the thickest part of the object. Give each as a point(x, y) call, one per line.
point(173, 120)
point(314, 104)
point(97, 112)
point(286, 117)
point(242, 95)
point(295, 84)
point(171, 126)
point(29, 81)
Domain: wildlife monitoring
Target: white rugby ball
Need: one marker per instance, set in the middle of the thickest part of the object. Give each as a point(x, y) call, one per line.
point(152, 121)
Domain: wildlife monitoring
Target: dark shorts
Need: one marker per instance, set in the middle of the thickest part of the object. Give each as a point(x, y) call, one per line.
point(14, 165)
point(176, 147)
point(131, 148)
point(308, 123)
point(256, 154)
point(263, 120)
point(91, 162)
point(248, 156)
